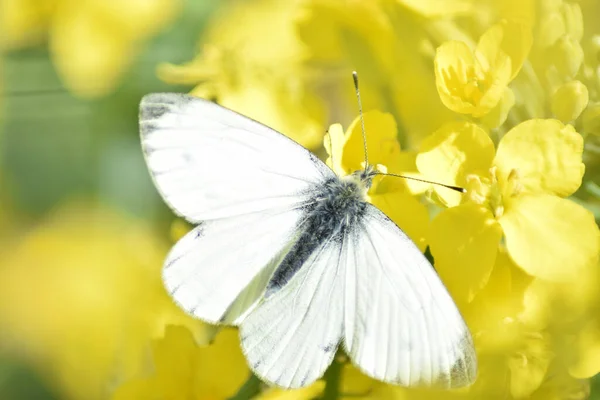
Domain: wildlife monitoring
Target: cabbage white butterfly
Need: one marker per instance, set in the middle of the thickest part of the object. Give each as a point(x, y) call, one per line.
point(294, 255)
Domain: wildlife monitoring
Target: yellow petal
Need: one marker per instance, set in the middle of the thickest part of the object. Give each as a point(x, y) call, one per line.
point(454, 68)
point(382, 142)
point(464, 241)
point(89, 54)
point(433, 8)
point(495, 69)
point(591, 119)
point(334, 144)
point(220, 368)
point(313, 391)
point(545, 154)
point(529, 365)
point(138, 389)
point(506, 38)
point(569, 100)
point(406, 165)
point(550, 237)
point(560, 385)
point(453, 152)
point(567, 55)
point(573, 17)
point(354, 382)
point(587, 347)
point(271, 104)
point(174, 361)
point(563, 303)
point(473, 83)
point(407, 212)
point(138, 17)
point(24, 22)
point(498, 114)
point(492, 314)
point(78, 256)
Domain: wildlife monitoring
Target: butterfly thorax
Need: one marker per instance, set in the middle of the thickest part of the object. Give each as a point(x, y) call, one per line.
point(335, 207)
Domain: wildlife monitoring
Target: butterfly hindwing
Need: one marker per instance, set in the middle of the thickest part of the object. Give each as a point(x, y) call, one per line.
point(401, 325)
point(213, 265)
point(292, 336)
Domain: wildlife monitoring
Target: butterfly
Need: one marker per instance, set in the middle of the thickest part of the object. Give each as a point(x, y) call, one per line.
point(294, 255)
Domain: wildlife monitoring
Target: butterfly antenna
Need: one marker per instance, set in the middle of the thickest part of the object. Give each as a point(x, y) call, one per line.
point(456, 188)
point(362, 120)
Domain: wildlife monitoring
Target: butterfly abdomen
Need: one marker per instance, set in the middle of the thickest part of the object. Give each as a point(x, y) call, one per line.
point(336, 206)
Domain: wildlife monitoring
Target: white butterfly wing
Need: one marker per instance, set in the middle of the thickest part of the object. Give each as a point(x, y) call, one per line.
point(209, 162)
point(245, 182)
point(291, 338)
point(220, 269)
point(401, 326)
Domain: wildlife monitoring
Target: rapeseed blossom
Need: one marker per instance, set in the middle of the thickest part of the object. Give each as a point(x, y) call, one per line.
point(495, 97)
point(241, 49)
point(93, 42)
point(81, 298)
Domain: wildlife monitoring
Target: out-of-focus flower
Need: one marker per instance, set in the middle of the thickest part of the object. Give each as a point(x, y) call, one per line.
point(249, 62)
point(391, 195)
point(184, 370)
point(92, 42)
point(81, 297)
point(388, 44)
point(476, 83)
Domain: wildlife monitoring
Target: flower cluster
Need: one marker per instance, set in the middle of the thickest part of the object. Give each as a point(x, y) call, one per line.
point(494, 97)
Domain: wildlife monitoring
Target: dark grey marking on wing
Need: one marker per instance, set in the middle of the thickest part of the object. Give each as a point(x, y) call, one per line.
point(199, 231)
point(173, 261)
point(153, 111)
point(328, 348)
point(336, 206)
point(155, 105)
point(147, 127)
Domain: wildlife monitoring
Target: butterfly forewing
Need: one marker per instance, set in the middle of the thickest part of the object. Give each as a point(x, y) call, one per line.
point(209, 162)
point(292, 337)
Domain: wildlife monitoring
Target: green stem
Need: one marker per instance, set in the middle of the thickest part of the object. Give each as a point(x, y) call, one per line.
point(332, 381)
point(249, 389)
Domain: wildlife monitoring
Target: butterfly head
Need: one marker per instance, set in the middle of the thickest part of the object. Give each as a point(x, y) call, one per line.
point(365, 176)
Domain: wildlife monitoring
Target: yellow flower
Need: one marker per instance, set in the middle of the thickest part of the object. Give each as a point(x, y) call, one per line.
point(521, 191)
point(240, 71)
point(390, 194)
point(569, 100)
point(387, 43)
point(559, 32)
point(92, 42)
point(184, 370)
point(84, 289)
point(476, 82)
point(438, 8)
